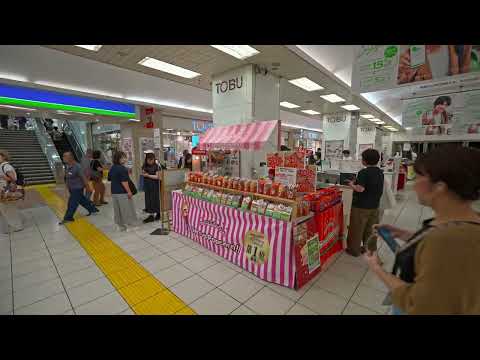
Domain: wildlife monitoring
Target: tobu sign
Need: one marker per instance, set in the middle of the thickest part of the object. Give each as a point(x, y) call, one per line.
point(229, 85)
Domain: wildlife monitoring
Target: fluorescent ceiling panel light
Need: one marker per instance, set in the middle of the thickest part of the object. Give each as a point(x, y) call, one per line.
point(168, 68)
point(409, 128)
point(90, 47)
point(367, 116)
point(288, 105)
point(311, 112)
point(333, 98)
point(306, 84)
point(374, 120)
point(238, 51)
point(136, 120)
point(379, 122)
point(13, 77)
point(350, 107)
point(16, 107)
point(301, 127)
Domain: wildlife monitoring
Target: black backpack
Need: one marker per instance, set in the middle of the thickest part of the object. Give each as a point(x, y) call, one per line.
point(20, 178)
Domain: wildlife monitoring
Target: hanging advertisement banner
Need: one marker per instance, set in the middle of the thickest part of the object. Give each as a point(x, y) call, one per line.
point(454, 113)
point(127, 148)
point(381, 67)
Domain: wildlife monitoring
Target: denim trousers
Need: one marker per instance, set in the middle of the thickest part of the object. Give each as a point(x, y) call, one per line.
point(77, 198)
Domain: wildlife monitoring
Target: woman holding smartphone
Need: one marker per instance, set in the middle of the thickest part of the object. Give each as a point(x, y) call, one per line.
point(151, 184)
point(436, 271)
point(122, 197)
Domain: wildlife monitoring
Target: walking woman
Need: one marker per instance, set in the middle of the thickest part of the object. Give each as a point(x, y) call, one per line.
point(436, 271)
point(122, 198)
point(96, 175)
point(151, 185)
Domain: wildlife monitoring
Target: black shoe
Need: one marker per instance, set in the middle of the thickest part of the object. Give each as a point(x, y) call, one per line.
point(149, 219)
point(157, 217)
point(65, 221)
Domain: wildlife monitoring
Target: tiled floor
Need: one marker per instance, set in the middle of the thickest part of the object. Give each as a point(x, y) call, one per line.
point(44, 270)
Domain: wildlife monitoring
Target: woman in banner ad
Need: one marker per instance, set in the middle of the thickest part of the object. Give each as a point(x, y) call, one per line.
point(427, 62)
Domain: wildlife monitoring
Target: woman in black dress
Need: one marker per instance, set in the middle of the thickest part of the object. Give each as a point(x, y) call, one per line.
point(151, 186)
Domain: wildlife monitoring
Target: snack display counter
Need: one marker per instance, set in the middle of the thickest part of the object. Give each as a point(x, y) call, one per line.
point(272, 228)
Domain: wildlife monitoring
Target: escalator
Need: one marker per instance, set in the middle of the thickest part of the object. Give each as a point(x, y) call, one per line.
point(68, 141)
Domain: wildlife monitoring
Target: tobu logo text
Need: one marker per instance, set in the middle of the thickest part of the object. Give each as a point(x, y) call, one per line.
point(230, 85)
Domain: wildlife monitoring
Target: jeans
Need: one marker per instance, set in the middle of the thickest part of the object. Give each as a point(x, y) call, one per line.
point(77, 198)
point(397, 311)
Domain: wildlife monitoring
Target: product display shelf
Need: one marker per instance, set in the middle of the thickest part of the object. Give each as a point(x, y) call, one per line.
point(289, 202)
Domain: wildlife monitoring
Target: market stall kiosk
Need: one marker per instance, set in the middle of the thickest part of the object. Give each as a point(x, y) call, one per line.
point(277, 238)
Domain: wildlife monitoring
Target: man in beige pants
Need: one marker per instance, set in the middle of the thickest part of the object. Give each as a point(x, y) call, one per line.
point(367, 191)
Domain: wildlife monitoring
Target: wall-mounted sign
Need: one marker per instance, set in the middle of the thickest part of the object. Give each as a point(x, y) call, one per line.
point(201, 126)
point(46, 99)
point(229, 85)
point(367, 129)
point(336, 118)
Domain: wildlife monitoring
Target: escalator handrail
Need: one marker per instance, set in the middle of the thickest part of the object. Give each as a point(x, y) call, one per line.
point(69, 132)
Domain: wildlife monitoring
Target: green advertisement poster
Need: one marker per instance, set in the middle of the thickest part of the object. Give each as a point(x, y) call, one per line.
point(382, 67)
point(313, 253)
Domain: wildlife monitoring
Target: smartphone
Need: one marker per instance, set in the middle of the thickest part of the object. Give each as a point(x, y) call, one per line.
point(387, 236)
point(417, 55)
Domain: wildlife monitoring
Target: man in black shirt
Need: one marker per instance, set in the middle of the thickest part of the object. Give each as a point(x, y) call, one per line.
point(367, 191)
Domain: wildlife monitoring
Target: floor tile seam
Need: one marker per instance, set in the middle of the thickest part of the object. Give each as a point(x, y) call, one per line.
point(353, 294)
point(321, 273)
point(45, 298)
point(108, 239)
point(366, 307)
point(58, 273)
point(98, 298)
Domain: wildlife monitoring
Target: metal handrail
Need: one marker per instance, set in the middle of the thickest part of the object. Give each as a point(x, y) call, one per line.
point(50, 151)
point(69, 132)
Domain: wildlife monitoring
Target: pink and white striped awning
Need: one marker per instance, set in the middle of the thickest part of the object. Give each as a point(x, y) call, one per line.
point(250, 136)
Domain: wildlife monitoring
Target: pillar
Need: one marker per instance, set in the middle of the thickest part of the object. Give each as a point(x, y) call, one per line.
point(243, 95)
point(131, 134)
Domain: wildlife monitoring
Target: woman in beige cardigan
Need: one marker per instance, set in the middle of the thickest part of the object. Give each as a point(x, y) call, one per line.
point(437, 270)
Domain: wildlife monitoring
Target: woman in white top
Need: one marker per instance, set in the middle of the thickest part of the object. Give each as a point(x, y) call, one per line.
point(10, 218)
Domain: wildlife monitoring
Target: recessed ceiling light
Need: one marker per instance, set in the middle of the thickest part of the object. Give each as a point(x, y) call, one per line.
point(301, 127)
point(168, 68)
point(310, 112)
point(380, 122)
point(288, 105)
point(306, 84)
point(367, 116)
point(136, 120)
point(374, 120)
point(239, 51)
point(350, 107)
point(90, 47)
point(333, 98)
point(169, 129)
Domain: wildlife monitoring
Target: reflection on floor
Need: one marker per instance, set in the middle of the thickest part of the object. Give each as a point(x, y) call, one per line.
point(45, 270)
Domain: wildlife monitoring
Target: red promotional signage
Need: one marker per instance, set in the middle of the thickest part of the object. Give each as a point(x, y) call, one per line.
point(196, 151)
point(149, 111)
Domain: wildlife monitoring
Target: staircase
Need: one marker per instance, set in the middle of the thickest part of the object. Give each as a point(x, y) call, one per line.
point(27, 156)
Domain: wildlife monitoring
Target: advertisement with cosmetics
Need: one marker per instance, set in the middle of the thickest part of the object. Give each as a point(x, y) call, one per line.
point(447, 114)
point(381, 67)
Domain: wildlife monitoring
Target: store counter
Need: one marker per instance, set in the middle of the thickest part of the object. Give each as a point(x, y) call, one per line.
point(286, 252)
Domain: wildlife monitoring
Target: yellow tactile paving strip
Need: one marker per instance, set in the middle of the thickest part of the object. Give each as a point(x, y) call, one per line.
point(141, 290)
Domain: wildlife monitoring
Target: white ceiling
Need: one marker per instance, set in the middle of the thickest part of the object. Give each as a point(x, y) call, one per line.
point(116, 76)
point(338, 59)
